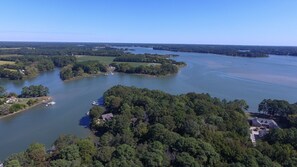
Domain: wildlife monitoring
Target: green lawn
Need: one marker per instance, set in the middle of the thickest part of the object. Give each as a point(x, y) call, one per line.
point(108, 60)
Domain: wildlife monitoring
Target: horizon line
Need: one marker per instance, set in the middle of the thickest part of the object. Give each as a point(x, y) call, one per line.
point(152, 43)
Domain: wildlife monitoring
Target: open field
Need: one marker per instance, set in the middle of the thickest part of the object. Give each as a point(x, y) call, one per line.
point(6, 62)
point(108, 60)
point(103, 59)
point(9, 55)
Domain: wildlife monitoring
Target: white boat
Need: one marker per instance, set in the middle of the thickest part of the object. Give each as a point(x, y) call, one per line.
point(95, 103)
point(50, 103)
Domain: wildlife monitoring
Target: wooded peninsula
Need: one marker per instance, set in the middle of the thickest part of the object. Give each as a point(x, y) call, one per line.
point(153, 128)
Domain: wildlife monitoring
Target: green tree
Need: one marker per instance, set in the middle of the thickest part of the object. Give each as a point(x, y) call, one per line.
point(70, 153)
point(104, 153)
point(36, 153)
point(60, 163)
point(87, 150)
point(186, 160)
point(13, 163)
point(2, 91)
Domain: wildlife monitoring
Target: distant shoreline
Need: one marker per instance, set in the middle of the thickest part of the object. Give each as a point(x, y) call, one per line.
point(42, 100)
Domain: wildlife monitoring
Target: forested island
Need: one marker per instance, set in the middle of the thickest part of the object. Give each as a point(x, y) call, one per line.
point(153, 128)
point(155, 65)
point(11, 103)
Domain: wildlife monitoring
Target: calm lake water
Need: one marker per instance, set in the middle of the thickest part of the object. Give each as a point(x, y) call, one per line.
point(251, 79)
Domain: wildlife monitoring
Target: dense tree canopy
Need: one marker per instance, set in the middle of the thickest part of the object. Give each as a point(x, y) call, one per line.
point(81, 69)
point(30, 66)
point(34, 91)
point(153, 128)
point(163, 69)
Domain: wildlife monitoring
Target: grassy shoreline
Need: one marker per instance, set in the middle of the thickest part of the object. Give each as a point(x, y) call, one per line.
point(41, 100)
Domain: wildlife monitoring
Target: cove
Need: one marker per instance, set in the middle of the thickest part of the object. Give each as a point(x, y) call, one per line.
point(251, 79)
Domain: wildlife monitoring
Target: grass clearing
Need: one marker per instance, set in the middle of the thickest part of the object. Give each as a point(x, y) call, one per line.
point(6, 62)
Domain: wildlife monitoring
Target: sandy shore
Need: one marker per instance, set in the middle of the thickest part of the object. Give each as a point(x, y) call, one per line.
point(41, 100)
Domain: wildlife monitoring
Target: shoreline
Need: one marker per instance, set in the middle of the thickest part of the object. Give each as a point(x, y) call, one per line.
point(44, 99)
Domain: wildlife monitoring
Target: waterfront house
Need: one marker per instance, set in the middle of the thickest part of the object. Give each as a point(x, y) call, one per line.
point(260, 127)
point(107, 117)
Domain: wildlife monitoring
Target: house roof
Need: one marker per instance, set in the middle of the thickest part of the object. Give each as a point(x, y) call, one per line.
point(107, 116)
point(264, 122)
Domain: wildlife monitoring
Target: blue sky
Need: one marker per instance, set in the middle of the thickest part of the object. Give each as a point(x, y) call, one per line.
point(247, 22)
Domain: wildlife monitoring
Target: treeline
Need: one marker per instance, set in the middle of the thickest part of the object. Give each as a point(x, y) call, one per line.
point(69, 151)
point(34, 91)
point(147, 58)
point(27, 92)
point(163, 69)
point(232, 50)
point(30, 66)
point(58, 49)
point(241, 51)
point(81, 69)
point(282, 110)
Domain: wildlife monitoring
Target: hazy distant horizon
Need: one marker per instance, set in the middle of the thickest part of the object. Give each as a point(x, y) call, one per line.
point(228, 22)
point(149, 43)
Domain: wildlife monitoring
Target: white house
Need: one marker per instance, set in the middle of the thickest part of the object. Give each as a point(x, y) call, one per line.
point(260, 127)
